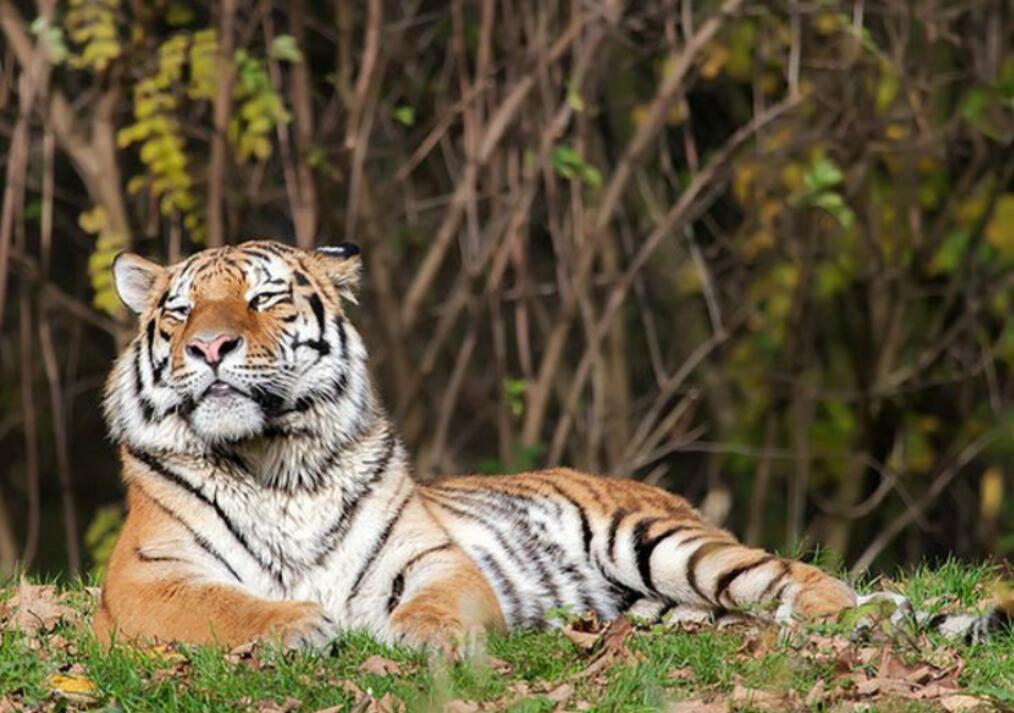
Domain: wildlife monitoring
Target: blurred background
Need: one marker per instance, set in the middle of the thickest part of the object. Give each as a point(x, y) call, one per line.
point(759, 253)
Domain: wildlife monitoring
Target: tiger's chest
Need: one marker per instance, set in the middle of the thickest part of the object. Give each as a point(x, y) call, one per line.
point(281, 544)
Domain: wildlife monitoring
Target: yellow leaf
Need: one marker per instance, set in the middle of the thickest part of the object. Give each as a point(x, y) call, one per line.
point(73, 687)
point(990, 493)
point(1000, 229)
point(92, 221)
point(678, 113)
point(769, 210)
point(715, 58)
point(638, 114)
point(792, 176)
point(743, 179)
point(688, 279)
point(827, 23)
point(895, 132)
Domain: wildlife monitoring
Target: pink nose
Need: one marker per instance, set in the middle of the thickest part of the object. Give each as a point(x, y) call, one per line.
point(215, 350)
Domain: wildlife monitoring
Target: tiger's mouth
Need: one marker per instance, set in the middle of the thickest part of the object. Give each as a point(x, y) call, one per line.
point(219, 389)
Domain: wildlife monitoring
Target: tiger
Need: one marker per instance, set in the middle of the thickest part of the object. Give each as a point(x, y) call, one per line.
point(270, 497)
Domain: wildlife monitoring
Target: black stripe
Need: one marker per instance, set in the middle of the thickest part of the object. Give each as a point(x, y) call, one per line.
point(614, 524)
point(421, 555)
point(727, 578)
point(695, 558)
point(378, 545)
point(398, 585)
point(147, 407)
point(534, 546)
point(318, 311)
point(586, 531)
point(774, 582)
point(397, 589)
point(483, 519)
point(198, 539)
point(503, 584)
point(625, 595)
point(350, 507)
point(159, 469)
point(644, 547)
point(363, 430)
point(151, 558)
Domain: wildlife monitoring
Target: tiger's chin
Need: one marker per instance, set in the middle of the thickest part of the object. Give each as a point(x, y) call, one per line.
point(227, 418)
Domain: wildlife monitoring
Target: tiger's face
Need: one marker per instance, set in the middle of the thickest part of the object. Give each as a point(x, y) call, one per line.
point(233, 343)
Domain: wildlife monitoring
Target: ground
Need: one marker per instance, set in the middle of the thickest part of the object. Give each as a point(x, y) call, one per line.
point(49, 661)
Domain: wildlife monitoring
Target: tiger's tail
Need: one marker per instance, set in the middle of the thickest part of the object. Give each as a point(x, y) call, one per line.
point(969, 628)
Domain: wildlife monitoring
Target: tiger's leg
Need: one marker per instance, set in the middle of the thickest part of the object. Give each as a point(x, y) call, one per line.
point(180, 610)
point(689, 562)
point(160, 587)
point(443, 601)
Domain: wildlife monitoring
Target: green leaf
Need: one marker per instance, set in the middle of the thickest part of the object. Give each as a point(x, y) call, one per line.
point(404, 115)
point(568, 163)
point(178, 14)
point(821, 175)
point(950, 253)
point(284, 48)
point(52, 37)
point(834, 204)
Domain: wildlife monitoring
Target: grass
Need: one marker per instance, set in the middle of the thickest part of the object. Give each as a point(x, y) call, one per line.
point(648, 669)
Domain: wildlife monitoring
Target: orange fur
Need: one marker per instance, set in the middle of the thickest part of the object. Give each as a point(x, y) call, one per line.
point(459, 604)
point(149, 601)
point(152, 592)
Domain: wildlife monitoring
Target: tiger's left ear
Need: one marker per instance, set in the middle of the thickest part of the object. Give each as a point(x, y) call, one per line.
point(342, 264)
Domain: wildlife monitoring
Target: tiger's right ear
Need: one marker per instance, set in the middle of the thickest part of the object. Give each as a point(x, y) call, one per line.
point(135, 278)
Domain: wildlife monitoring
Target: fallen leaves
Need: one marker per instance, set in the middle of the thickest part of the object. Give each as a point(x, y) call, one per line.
point(897, 669)
point(286, 706)
point(380, 666)
point(36, 609)
point(74, 687)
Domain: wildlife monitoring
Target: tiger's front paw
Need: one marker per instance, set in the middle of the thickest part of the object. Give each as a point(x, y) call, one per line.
point(308, 627)
point(438, 632)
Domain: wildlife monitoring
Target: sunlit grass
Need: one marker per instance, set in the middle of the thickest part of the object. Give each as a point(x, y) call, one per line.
point(519, 673)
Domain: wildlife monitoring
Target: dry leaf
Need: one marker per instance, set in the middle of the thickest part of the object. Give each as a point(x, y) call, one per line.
point(962, 703)
point(380, 666)
point(583, 630)
point(37, 607)
point(73, 687)
point(755, 698)
point(9, 705)
point(817, 694)
point(331, 709)
point(352, 688)
point(387, 704)
point(682, 674)
point(583, 639)
point(497, 665)
point(521, 689)
point(244, 653)
point(286, 706)
point(561, 694)
point(934, 690)
point(614, 638)
point(459, 706)
point(697, 705)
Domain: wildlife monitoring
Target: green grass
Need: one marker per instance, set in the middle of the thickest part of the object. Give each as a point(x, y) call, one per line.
point(657, 667)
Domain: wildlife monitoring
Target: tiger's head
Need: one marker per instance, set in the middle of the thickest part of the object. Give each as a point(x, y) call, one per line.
point(235, 344)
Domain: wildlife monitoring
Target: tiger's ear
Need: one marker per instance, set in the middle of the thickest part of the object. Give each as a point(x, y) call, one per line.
point(135, 279)
point(342, 264)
